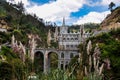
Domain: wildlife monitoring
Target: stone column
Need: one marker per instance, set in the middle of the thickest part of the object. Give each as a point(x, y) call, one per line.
point(45, 62)
point(48, 64)
point(59, 61)
point(64, 64)
point(64, 61)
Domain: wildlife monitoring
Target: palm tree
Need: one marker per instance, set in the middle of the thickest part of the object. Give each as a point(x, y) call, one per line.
point(111, 5)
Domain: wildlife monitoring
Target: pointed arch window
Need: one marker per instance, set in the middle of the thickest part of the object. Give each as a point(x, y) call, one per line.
point(62, 55)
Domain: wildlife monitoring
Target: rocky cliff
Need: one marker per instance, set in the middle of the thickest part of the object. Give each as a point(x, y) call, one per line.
point(112, 20)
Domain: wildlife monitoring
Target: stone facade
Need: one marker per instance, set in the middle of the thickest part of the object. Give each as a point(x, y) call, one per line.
point(64, 57)
point(68, 46)
point(3, 30)
point(68, 40)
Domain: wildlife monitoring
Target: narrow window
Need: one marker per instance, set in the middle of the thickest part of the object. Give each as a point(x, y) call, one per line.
point(71, 55)
point(62, 55)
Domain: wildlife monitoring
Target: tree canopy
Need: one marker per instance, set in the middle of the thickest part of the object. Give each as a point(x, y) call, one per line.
point(111, 5)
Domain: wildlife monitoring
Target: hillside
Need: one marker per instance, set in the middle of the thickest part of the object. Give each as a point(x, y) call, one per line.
point(109, 44)
point(17, 22)
point(112, 20)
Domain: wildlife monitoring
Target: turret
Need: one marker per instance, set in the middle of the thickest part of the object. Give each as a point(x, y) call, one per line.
point(49, 38)
point(56, 34)
point(81, 33)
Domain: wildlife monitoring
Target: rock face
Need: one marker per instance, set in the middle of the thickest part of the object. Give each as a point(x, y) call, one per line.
point(112, 20)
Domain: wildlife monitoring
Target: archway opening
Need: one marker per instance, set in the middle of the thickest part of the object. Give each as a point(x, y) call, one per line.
point(62, 62)
point(38, 62)
point(52, 61)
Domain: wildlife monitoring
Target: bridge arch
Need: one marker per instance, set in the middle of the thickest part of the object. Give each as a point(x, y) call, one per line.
point(38, 61)
point(63, 58)
point(53, 57)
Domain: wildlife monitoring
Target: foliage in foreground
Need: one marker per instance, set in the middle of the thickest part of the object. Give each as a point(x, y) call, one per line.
point(109, 44)
point(11, 66)
point(57, 75)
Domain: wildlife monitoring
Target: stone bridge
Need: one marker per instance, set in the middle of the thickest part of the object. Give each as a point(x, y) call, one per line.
point(64, 57)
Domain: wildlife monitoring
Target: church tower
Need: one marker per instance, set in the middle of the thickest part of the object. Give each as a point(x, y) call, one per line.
point(63, 28)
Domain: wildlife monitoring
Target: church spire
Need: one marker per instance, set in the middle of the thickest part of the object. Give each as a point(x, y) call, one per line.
point(63, 25)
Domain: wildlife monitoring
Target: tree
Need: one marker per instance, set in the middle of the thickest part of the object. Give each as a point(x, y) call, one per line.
point(111, 5)
point(20, 6)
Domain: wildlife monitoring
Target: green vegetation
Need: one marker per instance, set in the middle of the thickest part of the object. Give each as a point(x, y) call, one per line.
point(2, 12)
point(38, 59)
point(21, 24)
point(88, 27)
point(53, 61)
point(57, 75)
point(111, 5)
point(11, 66)
point(109, 44)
